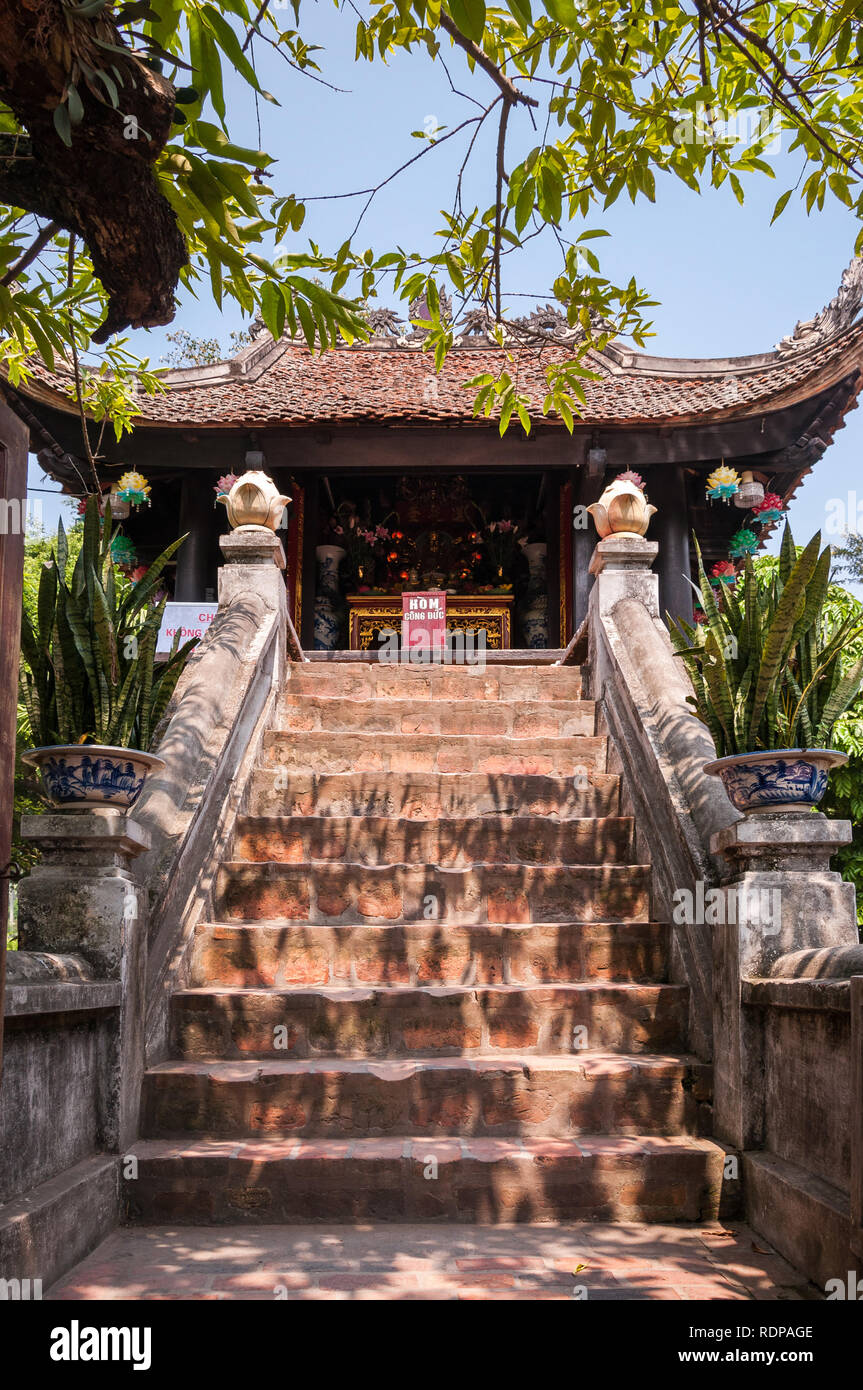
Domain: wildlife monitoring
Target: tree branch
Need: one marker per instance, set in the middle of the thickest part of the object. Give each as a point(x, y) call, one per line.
point(513, 96)
point(498, 211)
point(29, 256)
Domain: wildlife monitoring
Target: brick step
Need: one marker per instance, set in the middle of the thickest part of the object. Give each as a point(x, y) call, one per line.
point(260, 955)
point(388, 681)
point(387, 1020)
point(489, 1181)
point(404, 893)
point(487, 1096)
point(514, 718)
point(429, 795)
point(450, 842)
point(400, 753)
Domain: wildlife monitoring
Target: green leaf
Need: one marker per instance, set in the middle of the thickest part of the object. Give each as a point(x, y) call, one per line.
point(469, 17)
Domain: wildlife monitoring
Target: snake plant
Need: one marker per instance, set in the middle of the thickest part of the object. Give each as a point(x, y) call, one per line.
point(766, 664)
point(88, 661)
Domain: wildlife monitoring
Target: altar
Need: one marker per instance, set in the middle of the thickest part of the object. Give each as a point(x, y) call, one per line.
point(370, 615)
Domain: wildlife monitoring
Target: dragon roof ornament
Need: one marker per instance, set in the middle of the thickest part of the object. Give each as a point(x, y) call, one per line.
point(546, 324)
point(838, 315)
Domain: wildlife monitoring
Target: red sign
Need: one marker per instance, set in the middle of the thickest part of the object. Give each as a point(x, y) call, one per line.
point(424, 621)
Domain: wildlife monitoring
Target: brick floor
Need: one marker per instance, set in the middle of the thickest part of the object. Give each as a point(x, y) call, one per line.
point(623, 1262)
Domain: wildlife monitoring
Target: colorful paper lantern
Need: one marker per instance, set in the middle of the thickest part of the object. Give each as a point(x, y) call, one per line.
point(123, 552)
point(743, 542)
point(723, 572)
point(770, 509)
point(133, 488)
point(722, 483)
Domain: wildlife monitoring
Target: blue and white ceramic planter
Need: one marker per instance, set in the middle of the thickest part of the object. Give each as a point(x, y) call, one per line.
point(781, 779)
point(92, 774)
point(328, 598)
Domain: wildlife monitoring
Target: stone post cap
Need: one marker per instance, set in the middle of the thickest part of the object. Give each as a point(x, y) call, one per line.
point(102, 828)
point(624, 551)
point(253, 545)
point(787, 839)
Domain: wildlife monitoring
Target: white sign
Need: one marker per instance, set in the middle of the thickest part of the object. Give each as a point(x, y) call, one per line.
point(192, 620)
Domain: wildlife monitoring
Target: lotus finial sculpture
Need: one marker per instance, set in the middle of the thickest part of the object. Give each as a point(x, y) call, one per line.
point(254, 500)
point(622, 509)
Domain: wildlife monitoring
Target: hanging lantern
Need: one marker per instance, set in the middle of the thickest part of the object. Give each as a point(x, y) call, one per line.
point(749, 494)
point(133, 488)
point(723, 572)
point(722, 483)
point(743, 542)
point(123, 553)
point(769, 508)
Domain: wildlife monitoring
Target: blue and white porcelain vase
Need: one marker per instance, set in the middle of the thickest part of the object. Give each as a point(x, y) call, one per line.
point(328, 598)
point(78, 775)
point(533, 613)
point(780, 779)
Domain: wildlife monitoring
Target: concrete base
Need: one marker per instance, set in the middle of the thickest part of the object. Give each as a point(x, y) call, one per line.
point(56, 1224)
point(805, 1218)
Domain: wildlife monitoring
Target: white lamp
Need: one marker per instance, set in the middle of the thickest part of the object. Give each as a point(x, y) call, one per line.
point(749, 494)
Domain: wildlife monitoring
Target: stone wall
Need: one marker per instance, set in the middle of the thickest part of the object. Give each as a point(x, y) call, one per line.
point(106, 919)
point(778, 1011)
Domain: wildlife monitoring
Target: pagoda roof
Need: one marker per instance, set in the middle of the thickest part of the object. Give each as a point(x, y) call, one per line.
point(391, 381)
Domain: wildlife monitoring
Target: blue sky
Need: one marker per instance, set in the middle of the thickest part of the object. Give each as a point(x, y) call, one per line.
point(727, 283)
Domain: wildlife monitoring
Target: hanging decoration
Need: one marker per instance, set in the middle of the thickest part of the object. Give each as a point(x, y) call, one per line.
point(123, 553)
point(133, 488)
point(722, 483)
point(224, 485)
point(769, 509)
point(750, 492)
point(630, 477)
point(723, 572)
point(743, 542)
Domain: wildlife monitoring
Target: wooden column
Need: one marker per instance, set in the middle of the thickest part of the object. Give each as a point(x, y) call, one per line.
point(199, 520)
point(666, 489)
point(307, 561)
point(586, 488)
point(552, 569)
point(13, 500)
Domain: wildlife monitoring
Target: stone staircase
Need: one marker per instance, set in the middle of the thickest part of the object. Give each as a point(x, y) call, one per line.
point(433, 989)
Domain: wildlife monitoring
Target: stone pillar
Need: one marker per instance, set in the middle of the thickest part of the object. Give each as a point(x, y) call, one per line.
point(82, 899)
point(621, 566)
point(670, 527)
point(197, 517)
point(254, 561)
point(782, 897)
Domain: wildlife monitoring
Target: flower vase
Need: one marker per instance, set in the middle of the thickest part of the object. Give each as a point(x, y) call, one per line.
point(533, 612)
point(328, 598)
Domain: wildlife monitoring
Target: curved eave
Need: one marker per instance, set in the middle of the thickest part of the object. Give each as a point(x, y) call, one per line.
point(282, 386)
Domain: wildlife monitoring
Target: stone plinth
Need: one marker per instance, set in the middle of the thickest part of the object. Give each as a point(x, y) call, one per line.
point(781, 869)
point(782, 898)
point(82, 898)
point(254, 559)
point(621, 565)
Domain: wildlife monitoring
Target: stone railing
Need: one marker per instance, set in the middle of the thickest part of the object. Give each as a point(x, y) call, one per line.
point(106, 921)
point(211, 732)
point(642, 697)
point(773, 1002)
